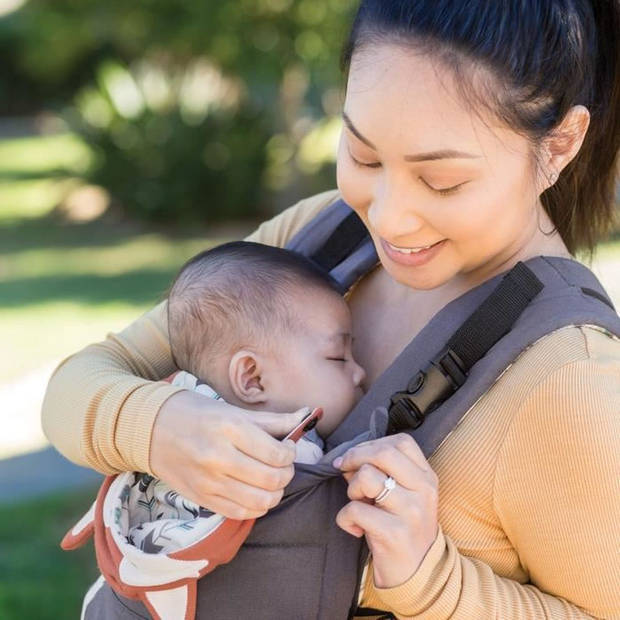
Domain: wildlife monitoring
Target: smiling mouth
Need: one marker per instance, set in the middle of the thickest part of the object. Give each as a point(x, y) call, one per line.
point(411, 250)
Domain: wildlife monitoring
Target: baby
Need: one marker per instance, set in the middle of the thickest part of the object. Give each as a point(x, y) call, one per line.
point(266, 330)
point(263, 329)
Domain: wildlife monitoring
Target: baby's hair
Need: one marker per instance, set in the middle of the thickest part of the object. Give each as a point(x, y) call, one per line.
point(236, 295)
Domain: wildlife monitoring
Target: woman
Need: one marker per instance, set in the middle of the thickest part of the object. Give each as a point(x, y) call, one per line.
point(475, 135)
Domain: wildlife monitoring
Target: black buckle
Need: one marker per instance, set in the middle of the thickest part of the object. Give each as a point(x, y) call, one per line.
point(426, 391)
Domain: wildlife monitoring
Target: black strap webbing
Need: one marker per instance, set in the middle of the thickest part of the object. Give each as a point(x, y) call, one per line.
point(494, 318)
point(373, 614)
point(345, 238)
point(448, 370)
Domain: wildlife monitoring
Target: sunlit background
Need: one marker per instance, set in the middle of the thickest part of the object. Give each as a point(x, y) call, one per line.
point(132, 135)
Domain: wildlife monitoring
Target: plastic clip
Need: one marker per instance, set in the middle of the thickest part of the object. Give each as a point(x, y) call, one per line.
point(428, 389)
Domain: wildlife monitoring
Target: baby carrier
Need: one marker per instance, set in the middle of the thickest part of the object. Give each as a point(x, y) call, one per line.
point(295, 561)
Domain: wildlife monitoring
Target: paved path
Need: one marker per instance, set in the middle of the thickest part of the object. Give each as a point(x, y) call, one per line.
point(28, 465)
point(38, 473)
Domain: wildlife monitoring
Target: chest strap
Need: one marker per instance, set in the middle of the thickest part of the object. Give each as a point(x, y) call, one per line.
point(448, 370)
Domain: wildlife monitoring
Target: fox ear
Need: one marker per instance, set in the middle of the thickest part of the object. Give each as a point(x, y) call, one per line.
point(81, 531)
point(245, 375)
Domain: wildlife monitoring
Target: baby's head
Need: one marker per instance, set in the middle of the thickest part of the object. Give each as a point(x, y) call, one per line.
point(266, 329)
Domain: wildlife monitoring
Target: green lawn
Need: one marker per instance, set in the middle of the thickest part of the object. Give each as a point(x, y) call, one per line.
point(38, 580)
point(65, 286)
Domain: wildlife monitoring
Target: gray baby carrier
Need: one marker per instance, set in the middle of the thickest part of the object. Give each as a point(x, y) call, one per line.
point(296, 563)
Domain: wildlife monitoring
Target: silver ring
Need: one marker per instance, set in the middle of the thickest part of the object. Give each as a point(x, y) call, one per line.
point(389, 484)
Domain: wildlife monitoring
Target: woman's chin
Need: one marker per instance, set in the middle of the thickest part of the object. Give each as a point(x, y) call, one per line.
point(423, 278)
point(420, 284)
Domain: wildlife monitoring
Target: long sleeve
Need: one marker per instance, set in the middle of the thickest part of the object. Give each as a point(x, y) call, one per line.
point(556, 495)
point(101, 403)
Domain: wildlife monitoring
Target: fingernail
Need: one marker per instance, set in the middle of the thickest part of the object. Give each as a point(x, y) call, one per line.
point(337, 462)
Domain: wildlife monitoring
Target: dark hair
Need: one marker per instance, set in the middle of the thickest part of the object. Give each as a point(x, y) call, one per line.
point(237, 294)
point(546, 56)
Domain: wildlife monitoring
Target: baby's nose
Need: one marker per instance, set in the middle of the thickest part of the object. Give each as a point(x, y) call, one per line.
point(359, 374)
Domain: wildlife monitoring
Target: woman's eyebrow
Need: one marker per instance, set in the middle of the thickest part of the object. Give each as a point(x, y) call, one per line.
point(349, 123)
point(428, 156)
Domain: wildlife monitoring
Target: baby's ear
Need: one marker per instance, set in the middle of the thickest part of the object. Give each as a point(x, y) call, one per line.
point(244, 373)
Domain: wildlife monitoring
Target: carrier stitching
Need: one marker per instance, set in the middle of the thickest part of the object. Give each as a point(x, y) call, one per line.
point(570, 284)
point(129, 610)
point(606, 300)
point(320, 605)
point(280, 546)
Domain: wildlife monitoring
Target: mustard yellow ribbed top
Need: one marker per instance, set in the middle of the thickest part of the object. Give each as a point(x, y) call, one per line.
point(529, 481)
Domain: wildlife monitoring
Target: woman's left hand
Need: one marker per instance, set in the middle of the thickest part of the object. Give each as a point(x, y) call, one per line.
point(401, 528)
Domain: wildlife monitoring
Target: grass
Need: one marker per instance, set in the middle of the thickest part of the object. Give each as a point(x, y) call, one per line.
point(90, 280)
point(37, 578)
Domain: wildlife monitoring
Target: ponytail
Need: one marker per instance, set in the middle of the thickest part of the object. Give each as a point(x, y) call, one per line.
point(582, 203)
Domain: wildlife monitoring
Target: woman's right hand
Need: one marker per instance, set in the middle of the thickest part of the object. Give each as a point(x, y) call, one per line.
point(222, 457)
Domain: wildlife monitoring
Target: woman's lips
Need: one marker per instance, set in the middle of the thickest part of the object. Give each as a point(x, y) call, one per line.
point(414, 259)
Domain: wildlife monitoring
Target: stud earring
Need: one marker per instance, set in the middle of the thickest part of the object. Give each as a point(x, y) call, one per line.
point(553, 177)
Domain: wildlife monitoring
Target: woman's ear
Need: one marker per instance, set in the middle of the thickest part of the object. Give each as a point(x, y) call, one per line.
point(562, 145)
point(244, 373)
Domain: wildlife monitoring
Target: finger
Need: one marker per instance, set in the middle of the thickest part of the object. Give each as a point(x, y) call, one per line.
point(248, 470)
point(402, 442)
point(227, 507)
point(359, 518)
point(248, 496)
point(277, 424)
point(256, 443)
point(389, 458)
point(366, 483)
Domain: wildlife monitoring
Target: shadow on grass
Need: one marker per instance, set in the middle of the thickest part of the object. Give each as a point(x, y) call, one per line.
point(137, 287)
point(22, 175)
point(52, 233)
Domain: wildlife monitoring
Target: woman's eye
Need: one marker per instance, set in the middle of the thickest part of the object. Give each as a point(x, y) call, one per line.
point(337, 359)
point(362, 164)
point(445, 191)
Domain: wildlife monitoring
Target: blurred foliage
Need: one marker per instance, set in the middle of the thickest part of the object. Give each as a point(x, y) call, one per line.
point(194, 110)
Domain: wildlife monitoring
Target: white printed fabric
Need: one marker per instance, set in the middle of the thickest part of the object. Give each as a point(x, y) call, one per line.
point(159, 520)
point(156, 519)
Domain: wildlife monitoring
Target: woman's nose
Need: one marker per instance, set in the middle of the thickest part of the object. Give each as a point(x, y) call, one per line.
point(392, 214)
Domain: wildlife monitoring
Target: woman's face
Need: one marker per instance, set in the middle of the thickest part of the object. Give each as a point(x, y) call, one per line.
point(423, 170)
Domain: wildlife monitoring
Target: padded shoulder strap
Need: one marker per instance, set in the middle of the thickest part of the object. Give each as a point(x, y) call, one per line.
point(562, 302)
point(338, 242)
